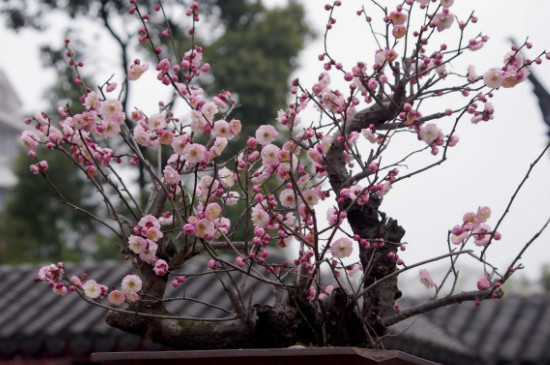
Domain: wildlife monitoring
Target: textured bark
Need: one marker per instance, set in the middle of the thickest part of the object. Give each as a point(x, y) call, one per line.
point(272, 327)
point(367, 221)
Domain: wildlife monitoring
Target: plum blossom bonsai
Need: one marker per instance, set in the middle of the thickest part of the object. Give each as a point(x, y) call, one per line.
point(336, 284)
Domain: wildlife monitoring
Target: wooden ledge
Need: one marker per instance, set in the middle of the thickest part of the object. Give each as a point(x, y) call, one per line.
point(277, 356)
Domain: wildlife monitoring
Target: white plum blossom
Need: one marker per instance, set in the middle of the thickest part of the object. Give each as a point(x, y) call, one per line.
point(288, 198)
point(259, 216)
point(493, 78)
point(226, 177)
point(171, 176)
point(265, 134)
point(429, 133)
point(156, 121)
point(91, 289)
point(194, 153)
point(209, 110)
point(131, 284)
point(341, 248)
point(270, 155)
point(136, 244)
point(222, 129)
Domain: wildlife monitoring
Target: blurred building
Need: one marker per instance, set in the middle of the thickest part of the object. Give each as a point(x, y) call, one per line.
point(11, 125)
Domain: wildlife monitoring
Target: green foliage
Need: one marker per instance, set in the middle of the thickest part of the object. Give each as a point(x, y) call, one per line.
point(254, 59)
point(545, 279)
point(36, 227)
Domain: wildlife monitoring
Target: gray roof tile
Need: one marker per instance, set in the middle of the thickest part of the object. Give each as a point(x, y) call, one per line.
point(36, 322)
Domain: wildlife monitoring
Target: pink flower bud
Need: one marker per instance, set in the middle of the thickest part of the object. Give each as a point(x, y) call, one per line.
point(240, 261)
point(212, 264)
point(188, 229)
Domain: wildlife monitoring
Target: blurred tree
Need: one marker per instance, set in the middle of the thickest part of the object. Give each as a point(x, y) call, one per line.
point(35, 227)
point(252, 49)
point(545, 278)
point(253, 56)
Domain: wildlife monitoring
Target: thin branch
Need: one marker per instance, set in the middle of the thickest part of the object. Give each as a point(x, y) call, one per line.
point(476, 295)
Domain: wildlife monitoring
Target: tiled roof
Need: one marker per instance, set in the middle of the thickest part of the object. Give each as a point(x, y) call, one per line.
point(511, 330)
point(34, 322)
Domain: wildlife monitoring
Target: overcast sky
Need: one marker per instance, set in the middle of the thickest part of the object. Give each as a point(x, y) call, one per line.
point(483, 169)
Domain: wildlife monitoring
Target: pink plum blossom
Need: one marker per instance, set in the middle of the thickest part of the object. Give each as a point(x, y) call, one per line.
point(136, 70)
point(399, 31)
point(493, 78)
point(204, 228)
point(161, 267)
point(156, 121)
point(429, 133)
point(92, 101)
point(116, 298)
point(141, 136)
point(265, 134)
point(270, 155)
point(111, 128)
point(212, 211)
point(332, 215)
point(219, 145)
point(179, 143)
point(149, 221)
point(222, 129)
point(194, 153)
point(171, 176)
point(30, 139)
point(240, 261)
point(472, 76)
point(60, 289)
point(259, 216)
point(153, 233)
point(149, 252)
point(226, 177)
point(111, 108)
point(353, 269)
point(443, 20)
point(311, 294)
point(426, 278)
point(311, 197)
point(209, 110)
point(136, 244)
point(198, 122)
point(397, 17)
point(483, 283)
point(483, 214)
point(326, 292)
point(326, 143)
point(288, 198)
point(212, 264)
point(481, 234)
point(231, 198)
point(235, 126)
point(39, 167)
